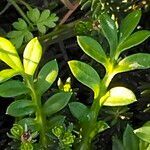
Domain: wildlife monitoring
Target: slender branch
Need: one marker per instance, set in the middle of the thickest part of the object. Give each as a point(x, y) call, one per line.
point(69, 13)
point(5, 8)
point(21, 12)
point(25, 4)
point(68, 4)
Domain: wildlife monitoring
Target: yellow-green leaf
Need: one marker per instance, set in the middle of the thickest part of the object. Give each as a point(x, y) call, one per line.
point(135, 61)
point(92, 48)
point(86, 75)
point(9, 55)
point(128, 24)
point(31, 56)
point(119, 96)
point(46, 76)
point(7, 74)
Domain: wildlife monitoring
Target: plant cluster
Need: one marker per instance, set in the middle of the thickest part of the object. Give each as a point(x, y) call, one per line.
point(56, 119)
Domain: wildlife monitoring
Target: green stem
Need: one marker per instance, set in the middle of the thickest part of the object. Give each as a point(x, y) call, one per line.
point(25, 4)
point(40, 118)
point(21, 12)
point(88, 129)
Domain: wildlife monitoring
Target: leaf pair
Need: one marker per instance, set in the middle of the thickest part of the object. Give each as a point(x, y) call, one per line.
point(23, 107)
point(31, 57)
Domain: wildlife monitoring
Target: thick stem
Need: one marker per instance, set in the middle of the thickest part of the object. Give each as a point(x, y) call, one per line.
point(40, 118)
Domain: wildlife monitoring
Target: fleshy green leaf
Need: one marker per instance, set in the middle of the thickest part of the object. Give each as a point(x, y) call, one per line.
point(79, 111)
point(56, 103)
point(9, 55)
point(20, 108)
point(130, 140)
point(119, 96)
point(92, 48)
point(86, 75)
point(143, 133)
point(7, 74)
point(135, 61)
point(133, 40)
point(46, 76)
point(31, 56)
point(110, 32)
point(13, 88)
point(128, 24)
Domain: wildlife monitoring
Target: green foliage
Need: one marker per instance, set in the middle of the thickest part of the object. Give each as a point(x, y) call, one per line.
point(30, 60)
point(65, 136)
point(9, 55)
point(118, 96)
point(56, 103)
point(40, 21)
point(43, 20)
point(30, 110)
point(143, 132)
point(92, 48)
point(21, 33)
point(130, 140)
point(80, 111)
point(7, 74)
point(46, 76)
point(109, 30)
point(20, 108)
point(13, 88)
point(113, 63)
point(86, 75)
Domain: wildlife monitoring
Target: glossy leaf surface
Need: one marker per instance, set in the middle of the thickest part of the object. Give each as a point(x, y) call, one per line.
point(86, 75)
point(9, 55)
point(133, 40)
point(143, 133)
point(135, 61)
point(56, 103)
point(119, 96)
point(110, 31)
point(13, 88)
point(20, 108)
point(46, 76)
point(128, 24)
point(92, 48)
point(7, 74)
point(31, 56)
point(79, 111)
